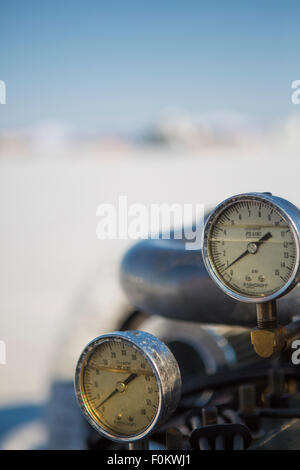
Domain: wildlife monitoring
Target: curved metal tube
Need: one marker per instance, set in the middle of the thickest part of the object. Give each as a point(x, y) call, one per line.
point(160, 277)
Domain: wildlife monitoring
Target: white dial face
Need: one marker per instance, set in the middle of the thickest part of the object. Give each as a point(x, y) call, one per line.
point(119, 388)
point(252, 248)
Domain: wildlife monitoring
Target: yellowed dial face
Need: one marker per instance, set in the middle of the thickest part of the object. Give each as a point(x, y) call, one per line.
point(119, 388)
point(252, 248)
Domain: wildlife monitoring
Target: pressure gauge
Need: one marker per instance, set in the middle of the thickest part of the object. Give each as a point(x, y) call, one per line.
point(251, 246)
point(126, 384)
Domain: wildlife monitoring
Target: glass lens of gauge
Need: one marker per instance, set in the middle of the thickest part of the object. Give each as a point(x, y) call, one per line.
point(252, 248)
point(119, 388)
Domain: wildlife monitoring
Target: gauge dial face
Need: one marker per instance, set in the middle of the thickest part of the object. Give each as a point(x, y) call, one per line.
point(119, 388)
point(252, 248)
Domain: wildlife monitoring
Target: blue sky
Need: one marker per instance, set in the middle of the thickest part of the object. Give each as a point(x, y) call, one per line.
point(114, 65)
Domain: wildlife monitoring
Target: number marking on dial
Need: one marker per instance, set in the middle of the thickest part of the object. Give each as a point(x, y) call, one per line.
point(119, 388)
point(252, 248)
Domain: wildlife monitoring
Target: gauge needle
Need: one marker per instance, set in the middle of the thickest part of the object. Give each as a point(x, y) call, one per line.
point(120, 371)
point(253, 250)
point(116, 390)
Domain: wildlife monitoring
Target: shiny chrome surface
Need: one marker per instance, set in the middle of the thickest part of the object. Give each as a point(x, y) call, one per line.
point(165, 369)
point(161, 278)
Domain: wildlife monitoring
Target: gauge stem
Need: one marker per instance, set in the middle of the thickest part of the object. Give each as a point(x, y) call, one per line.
point(269, 337)
point(141, 444)
point(266, 315)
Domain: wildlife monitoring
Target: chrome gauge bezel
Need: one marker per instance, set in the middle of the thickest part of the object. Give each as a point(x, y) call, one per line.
point(288, 212)
point(163, 365)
